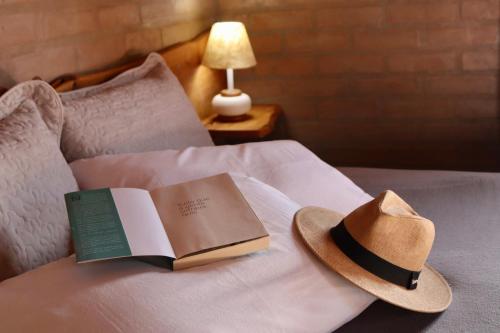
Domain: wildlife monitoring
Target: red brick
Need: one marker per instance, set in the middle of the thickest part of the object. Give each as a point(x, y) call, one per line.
point(439, 38)
point(298, 108)
point(260, 89)
point(406, 13)
point(481, 10)
point(285, 66)
point(126, 15)
point(162, 13)
point(69, 22)
point(316, 87)
point(281, 20)
point(422, 13)
point(232, 5)
point(324, 133)
point(483, 35)
point(25, 66)
point(386, 86)
point(346, 17)
point(144, 41)
point(462, 85)
point(245, 5)
point(266, 44)
point(468, 132)
point(317, 41)
point(368, 134)
point(397, 108)
point(384, 40)
point(480, 60)
point(476, 108)
point(95, 54)
point(351, 63)
point(347, 109)
point(156, 14)
point(474, 35)
point(17, 29)
point(438, 109)
point(436, 62)
point(442, 13)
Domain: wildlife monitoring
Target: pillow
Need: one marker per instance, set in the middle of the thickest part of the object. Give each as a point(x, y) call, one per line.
point(34, 176)
point(142, 109)
point(286, 165)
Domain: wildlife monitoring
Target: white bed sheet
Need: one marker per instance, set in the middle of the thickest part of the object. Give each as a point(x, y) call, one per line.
point(285, 289)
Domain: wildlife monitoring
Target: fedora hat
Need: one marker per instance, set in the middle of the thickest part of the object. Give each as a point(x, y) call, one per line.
point(382, 247)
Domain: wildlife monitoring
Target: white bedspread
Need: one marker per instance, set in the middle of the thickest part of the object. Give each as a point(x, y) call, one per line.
point(285, 289)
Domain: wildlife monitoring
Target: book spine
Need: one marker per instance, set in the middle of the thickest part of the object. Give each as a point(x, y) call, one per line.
point(160, 261)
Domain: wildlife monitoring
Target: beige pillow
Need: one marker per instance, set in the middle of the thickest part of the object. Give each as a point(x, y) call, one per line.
point(142, 109)
point(34, 176)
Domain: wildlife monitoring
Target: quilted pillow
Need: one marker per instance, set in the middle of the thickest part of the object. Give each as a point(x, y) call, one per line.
point(34, 176)
point(142, 109)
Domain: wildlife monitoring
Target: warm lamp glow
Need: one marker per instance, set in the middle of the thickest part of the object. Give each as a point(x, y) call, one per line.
point(228, 47)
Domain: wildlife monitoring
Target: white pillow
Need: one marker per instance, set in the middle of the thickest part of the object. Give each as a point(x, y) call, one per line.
point(286, 165)
point(142, 109)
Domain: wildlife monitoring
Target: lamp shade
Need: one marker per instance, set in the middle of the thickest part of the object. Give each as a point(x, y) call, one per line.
point(228, 47)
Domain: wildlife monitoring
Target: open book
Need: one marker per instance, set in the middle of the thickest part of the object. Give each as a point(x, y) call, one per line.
point(177, 226)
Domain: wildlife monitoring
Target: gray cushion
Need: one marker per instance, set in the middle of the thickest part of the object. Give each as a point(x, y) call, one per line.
point(34, 176)
point(142, 109)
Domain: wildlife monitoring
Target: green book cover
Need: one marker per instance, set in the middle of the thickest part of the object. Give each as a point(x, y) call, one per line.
point(95, 225)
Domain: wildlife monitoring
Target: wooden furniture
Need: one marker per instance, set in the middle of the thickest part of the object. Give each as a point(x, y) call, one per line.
point(258, 124)
point(184, 59)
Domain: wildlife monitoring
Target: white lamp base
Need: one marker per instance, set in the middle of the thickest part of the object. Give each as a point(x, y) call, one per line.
point(231, 106)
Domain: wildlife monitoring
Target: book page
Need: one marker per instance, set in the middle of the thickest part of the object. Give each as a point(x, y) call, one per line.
point(206, 213)
point(142, 225)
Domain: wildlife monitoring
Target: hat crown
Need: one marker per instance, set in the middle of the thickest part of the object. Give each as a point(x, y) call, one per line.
point(388, 227)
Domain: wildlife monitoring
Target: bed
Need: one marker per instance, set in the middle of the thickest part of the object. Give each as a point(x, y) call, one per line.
point(284, 290)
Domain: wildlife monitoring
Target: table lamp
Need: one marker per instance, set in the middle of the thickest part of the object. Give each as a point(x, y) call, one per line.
point(229, 48)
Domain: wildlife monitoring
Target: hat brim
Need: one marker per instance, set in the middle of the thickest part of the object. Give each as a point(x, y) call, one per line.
point(433, 294)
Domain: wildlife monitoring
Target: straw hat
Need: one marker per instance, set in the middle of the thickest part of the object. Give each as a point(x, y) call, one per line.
point(381, 247)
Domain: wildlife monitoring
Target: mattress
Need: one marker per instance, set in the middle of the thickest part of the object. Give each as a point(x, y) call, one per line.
point(465, 208)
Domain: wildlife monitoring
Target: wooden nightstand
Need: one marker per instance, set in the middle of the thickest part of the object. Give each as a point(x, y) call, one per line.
point(257, 125)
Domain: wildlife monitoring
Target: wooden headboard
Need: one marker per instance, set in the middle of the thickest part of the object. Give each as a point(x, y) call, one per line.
point(184, 59)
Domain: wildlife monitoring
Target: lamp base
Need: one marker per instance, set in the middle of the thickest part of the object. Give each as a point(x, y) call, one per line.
point(232, 119)
point(231, 105)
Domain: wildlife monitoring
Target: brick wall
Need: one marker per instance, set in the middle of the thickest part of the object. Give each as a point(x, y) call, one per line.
point(392, 83)
point(389, 83)
point(51, 37)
